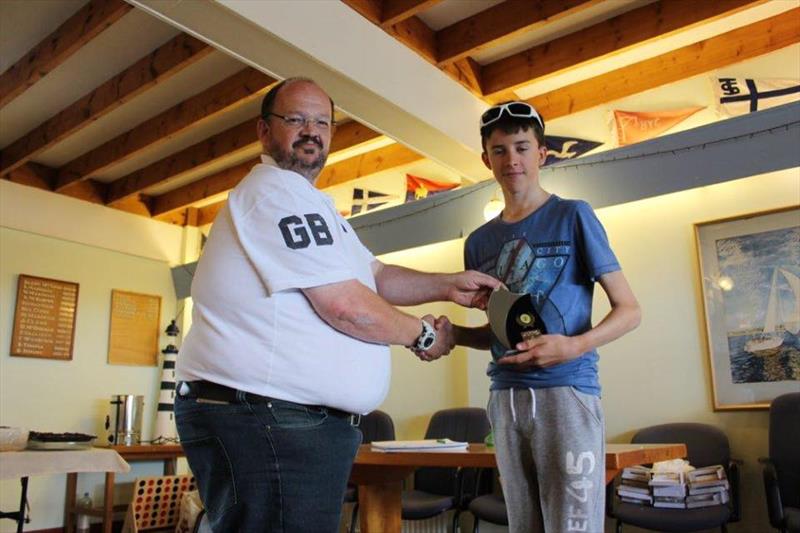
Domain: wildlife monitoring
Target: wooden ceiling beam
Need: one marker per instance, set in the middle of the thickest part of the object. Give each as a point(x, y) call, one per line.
point(348, 135)
point(717, 52)
point(164, 62)
point(207, 152)
point(410, 31)
point(86, 24)
point(365, 164)
point(500, 23)
point(623, 32)
point(350, 169)
point(231, 93)
point(394, 11)
point(33, 175)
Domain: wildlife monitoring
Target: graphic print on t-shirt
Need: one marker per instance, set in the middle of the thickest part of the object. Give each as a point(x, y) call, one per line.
point(531, 269)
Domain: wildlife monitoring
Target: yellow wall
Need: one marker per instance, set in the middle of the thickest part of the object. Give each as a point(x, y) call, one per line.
point(60, 396)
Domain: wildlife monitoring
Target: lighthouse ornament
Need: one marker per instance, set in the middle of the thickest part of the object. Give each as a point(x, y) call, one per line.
point(166, 431)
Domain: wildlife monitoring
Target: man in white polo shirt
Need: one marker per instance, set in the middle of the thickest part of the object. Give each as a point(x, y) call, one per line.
point(291, 325)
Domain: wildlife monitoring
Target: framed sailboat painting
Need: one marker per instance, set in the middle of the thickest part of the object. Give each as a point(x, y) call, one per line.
point(750, 280)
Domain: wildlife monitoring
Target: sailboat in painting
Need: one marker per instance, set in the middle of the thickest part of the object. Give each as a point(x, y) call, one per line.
point(769, 341)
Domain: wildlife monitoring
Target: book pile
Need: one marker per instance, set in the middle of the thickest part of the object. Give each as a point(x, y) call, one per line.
point(634, 487)
point(669, 489)
point(707, 486)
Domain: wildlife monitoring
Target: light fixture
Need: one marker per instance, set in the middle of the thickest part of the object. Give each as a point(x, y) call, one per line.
point(494, 206)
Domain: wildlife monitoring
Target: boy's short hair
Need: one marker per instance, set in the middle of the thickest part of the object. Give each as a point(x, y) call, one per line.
point(525, 117)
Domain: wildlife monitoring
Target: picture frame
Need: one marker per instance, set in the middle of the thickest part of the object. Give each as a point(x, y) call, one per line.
point(749, 268)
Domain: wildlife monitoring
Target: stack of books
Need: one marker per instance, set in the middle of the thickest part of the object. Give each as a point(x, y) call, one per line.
point(669, 489)
point(634, 486)
point(707, 486)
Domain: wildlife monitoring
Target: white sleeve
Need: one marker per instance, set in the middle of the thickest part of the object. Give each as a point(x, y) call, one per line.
point(365, 252)
point(292, 241)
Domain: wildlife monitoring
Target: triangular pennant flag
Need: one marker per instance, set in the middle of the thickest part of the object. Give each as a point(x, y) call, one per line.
point(366, 200)
point(562, 148)
point(737, 96)
point(418, 188)
point(636, 126)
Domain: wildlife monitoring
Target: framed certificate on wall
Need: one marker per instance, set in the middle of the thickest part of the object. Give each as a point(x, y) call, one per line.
point(134, 330)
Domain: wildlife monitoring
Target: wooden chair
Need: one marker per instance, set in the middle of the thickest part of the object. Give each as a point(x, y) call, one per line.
point(156, 501)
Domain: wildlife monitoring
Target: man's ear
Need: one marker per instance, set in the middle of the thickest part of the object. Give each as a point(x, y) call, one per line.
point(485, 158)
point(262, 129)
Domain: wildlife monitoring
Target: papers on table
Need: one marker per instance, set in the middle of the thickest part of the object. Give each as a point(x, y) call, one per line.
point(427, 445)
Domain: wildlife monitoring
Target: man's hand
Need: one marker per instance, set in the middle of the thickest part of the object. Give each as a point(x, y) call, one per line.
point(544, 351)
point(445, 340)
point(471, 288)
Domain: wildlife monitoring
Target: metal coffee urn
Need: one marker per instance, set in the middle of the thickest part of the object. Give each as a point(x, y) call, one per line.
point(124, 422)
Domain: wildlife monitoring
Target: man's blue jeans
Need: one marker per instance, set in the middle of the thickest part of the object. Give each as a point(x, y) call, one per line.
point(276, 466)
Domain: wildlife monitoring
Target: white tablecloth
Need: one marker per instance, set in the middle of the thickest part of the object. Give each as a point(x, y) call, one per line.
point(14, 465)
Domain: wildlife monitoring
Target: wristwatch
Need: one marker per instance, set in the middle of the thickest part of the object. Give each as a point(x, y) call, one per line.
point(426, 339)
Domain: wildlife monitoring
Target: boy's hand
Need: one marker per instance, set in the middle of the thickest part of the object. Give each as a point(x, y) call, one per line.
point(544, 351)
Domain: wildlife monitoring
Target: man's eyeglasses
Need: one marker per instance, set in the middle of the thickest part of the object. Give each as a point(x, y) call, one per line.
point(512, 109)
point(298, 121)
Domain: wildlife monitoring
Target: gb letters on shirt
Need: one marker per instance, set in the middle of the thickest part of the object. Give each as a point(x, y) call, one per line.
point(298, 232)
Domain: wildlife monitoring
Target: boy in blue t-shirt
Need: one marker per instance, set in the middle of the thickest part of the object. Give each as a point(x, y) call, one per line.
point(544, 402)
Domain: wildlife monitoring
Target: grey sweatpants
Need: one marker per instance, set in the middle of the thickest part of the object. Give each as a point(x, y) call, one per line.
point(551, 457)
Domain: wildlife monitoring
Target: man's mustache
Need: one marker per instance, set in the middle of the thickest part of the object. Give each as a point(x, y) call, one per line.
point(306, 139)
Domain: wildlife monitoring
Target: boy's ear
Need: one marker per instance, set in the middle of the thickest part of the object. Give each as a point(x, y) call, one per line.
point(485, 159)
point(542, 155)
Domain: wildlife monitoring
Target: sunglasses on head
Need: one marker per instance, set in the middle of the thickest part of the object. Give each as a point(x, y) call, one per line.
point(512, 109)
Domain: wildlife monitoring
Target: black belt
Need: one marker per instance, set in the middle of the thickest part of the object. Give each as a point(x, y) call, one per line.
point(215, 393)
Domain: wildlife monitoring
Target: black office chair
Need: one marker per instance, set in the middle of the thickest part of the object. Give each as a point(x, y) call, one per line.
point(438, 490)
point(782, 467)
point(488, 507)
point(376, 425)
point(706, 446)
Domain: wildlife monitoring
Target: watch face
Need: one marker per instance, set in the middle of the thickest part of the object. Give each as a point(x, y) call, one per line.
point(428, 342)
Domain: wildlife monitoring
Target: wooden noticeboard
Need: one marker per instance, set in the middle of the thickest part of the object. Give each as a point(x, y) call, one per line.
point(44, 318)
point(133, 335)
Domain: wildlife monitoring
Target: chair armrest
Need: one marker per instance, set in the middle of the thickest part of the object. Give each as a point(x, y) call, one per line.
point(774, 503)
point(736, 501)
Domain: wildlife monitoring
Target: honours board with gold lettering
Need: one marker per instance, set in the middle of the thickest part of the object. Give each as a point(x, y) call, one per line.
point(133, 335)
point(44, 318)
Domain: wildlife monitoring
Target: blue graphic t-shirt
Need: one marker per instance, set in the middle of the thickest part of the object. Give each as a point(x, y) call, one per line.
point(555, 255)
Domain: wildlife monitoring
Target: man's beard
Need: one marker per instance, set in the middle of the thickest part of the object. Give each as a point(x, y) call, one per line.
point(287, 160)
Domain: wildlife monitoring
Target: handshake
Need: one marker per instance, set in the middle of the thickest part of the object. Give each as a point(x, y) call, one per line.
point(445, 339)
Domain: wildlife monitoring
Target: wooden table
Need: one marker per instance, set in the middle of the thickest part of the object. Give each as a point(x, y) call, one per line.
point(379, 475)
point(168, 453)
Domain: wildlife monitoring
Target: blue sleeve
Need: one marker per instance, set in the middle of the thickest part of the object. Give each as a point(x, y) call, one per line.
point(469, 256)
point(592, 241)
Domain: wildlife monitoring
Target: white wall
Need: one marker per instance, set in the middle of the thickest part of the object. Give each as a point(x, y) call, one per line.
point(101, 249)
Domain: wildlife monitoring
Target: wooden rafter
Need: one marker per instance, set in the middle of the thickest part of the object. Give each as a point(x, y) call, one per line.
point(33, 175)
point(202, 154)
point(623, 32)
point(231, 93)
point(348, 135)
point(157, 66)
point(365, 164)
point(382, 159)
point(394, 11)
point(717, 52)
point(86, 24)
point(501, 22)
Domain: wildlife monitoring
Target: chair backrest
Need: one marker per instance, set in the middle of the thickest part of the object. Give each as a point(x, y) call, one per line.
point(377, 425)
point(784, 443)
point(465, 424)
point(705, 444)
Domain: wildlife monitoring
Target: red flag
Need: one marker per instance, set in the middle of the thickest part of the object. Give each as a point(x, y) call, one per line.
point(418, 188)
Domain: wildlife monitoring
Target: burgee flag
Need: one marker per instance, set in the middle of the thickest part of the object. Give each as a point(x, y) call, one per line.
point(737, 96)
point(418, 188)
point(636, 126)
point(365, 200)
point(563, 148)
